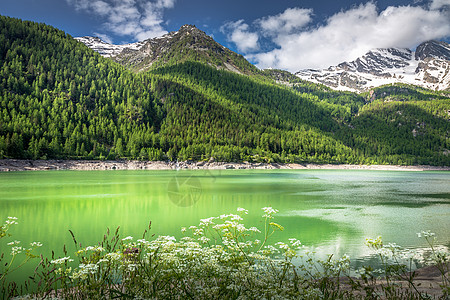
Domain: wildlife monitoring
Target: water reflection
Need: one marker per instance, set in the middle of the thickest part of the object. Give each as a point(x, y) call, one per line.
point(329, 211)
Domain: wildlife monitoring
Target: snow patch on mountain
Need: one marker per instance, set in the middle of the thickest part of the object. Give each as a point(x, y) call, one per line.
point(106, 49)
point(428, 67)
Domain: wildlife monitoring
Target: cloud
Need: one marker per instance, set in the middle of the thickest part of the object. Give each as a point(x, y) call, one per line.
point(104, 37)
point(438, 4)
point(291, 19)
point(141, 20)
point(238, 33)
point(345, 35)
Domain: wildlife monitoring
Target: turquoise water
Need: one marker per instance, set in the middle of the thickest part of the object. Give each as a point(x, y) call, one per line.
point(330, 211)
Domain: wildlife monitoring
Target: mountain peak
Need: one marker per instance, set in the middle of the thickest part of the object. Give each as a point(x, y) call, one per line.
point(428, 67)
point(433, 49)
point(188, 27)
point(188, 43)
point(378, 60)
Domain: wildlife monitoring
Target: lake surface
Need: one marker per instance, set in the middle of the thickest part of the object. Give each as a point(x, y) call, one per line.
point(331, 211)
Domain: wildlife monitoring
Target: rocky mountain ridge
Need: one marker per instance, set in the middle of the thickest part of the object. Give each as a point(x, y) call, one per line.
point(428, 66)
point(188, 42)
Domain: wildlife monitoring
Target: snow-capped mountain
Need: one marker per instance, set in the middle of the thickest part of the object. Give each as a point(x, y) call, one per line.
point(105, 49)
point(428, 66)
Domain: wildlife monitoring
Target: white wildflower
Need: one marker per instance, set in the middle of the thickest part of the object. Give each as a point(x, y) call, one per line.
point(241, 228)
point(88, 268)
point(219, 226)
point(282, 246)
point(295, 243)
point(242, 210)
point(198, 231)
point(425, 234)
point(235, 217)
point(103, 260)
point(94, 248)
point(11, 221)
point(61, 261)
point(254, 229)
point(36, 244)
point(269, 212)
point(16, 250)
point(143, 242)
point(113, 256)
point(207, 222)
point(392, 246)
point(128, 238)
point(13, 243)
point(204, 239)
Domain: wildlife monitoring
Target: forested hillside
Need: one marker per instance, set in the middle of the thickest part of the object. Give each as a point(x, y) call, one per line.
point(59, 99)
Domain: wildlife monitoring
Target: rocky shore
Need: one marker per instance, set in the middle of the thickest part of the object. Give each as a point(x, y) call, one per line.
point(36, 165)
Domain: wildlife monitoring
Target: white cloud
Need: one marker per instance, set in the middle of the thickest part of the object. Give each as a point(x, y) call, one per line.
point(141, 20)
point(239, 34)
point(291, 19)
point(104, 37)
point(345, 35)
point(438, 4)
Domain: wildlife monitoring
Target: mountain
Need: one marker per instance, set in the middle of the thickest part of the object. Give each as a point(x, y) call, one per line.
point(106, 49)
point(188, 43)
point(428, 66)
point(60, 99)
point(433, 49)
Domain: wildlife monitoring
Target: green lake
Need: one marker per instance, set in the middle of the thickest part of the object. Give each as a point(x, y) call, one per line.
point(330, 211)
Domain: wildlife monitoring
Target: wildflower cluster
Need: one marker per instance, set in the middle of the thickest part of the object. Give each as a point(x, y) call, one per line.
point(18, 256)
point(222, 258)
point(5, 227)
point(219, 257)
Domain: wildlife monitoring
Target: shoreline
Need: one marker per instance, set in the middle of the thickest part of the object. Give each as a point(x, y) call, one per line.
point(7, 165)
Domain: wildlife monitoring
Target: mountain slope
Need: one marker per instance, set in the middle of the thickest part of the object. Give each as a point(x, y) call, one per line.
point(188, 43)
point(428, 67)
point(60, 99)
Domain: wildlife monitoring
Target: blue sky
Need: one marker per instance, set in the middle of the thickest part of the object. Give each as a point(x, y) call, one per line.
point(286, 34)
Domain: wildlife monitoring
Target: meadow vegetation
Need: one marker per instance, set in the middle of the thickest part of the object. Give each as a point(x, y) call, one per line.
point(220, 258)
